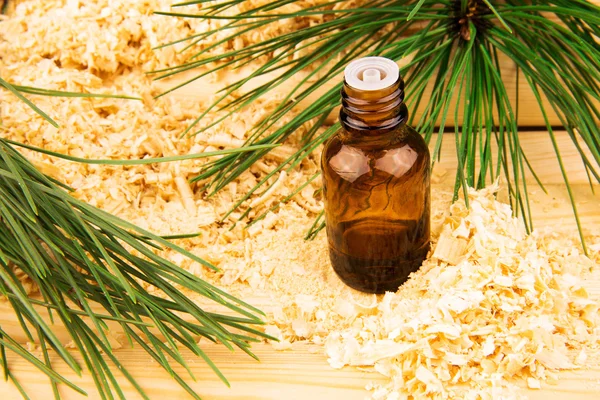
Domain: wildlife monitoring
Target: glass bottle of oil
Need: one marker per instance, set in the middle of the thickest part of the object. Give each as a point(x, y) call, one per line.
point(376, 182)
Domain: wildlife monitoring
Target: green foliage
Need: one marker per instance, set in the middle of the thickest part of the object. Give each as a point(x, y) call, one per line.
point(457, 47)
point(82, 260)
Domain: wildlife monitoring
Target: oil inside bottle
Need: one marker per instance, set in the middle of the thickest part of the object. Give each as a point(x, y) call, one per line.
point(376, 183)
point(378, 256)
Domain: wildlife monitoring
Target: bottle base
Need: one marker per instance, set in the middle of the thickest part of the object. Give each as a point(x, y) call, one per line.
point(376, 276)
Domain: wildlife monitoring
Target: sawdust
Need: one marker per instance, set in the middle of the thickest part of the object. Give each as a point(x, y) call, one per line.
point(107, 47)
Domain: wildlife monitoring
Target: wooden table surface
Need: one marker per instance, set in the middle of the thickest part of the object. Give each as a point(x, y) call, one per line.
point(303, 373)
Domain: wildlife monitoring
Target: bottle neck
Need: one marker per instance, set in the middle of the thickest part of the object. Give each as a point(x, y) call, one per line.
point(373, 114)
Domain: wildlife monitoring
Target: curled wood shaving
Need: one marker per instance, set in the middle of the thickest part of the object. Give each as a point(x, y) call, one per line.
point(187, 197)
point(450, 248)
point(269, 192)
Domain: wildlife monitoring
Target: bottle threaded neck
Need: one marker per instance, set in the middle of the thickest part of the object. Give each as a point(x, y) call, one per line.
point(373, 112)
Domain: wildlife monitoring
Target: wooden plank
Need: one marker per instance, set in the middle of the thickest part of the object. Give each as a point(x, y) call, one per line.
point(538, 149)
point(294, 374)
point(541, 154)
point(304, 373)
point(298, 374)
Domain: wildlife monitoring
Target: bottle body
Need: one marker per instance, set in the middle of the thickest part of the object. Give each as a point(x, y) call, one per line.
point(376, 181)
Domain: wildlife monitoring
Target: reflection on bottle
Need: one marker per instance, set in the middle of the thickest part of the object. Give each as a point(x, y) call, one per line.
point(398, 161)
point(350, 163)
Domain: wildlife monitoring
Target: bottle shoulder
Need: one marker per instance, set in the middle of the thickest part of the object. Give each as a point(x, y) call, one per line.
point(408, 136)
point(353, 160)
point(417, 140)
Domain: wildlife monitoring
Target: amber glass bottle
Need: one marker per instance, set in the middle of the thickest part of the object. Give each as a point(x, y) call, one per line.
point(376, 182)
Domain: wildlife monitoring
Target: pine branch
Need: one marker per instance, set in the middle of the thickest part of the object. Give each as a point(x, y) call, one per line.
point(81, 258)
point(456, 47)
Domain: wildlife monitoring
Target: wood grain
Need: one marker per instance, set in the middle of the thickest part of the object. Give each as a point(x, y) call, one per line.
point(303, 373)
point(298, 374)
point(538, 149)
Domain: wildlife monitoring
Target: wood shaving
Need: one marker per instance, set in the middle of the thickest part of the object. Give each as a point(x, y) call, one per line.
point(269, 192)
point(28, 285)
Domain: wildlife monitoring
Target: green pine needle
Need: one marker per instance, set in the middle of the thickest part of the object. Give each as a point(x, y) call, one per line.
point(35, 108)
point(143, 161)
point(20, 90)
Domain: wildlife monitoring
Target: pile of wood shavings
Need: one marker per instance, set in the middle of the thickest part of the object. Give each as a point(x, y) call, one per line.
point(490, 304)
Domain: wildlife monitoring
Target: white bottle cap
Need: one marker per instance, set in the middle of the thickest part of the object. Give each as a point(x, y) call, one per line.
point(371, 73)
